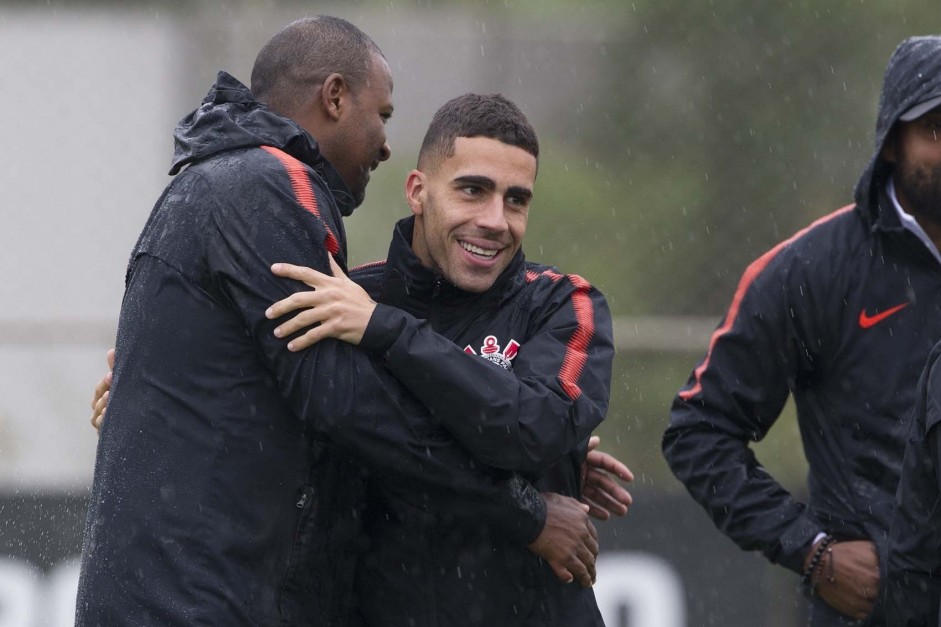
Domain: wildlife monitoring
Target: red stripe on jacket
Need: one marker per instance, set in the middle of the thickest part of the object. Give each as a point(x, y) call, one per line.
point(371, 264)
point(304, 192)
point(751, 273)
point(576, 349)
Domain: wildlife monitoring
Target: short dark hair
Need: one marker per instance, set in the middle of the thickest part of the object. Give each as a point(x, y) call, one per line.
point(303, 54)
point(476, 115)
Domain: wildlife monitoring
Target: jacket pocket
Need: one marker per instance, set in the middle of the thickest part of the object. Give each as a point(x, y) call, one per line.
point(300, 566)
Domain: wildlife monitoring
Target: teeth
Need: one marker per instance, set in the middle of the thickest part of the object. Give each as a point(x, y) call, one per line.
point(477, 250)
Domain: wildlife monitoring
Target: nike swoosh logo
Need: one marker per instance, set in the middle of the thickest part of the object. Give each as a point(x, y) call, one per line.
point(871, 321)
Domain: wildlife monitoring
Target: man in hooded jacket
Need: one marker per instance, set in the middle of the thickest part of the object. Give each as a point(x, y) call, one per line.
point(842, 315)
point(216, 500)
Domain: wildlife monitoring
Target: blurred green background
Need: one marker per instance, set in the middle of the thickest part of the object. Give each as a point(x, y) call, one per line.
point(709, 132)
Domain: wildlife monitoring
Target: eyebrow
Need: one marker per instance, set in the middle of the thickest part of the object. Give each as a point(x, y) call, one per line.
point(489, 184)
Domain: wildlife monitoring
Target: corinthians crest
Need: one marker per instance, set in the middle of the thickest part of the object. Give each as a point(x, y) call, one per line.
point(491, 351)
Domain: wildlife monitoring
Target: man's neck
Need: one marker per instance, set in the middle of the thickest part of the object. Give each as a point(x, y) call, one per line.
point(931, 228)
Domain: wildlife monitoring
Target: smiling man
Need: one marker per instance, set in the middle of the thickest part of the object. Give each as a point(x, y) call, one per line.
point(219, 495)
point(513, 358)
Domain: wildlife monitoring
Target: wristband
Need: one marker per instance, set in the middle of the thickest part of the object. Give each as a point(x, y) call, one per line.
point(807, 578)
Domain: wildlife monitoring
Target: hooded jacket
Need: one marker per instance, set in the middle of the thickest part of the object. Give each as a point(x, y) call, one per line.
point(912, 573)
point(912, 569)
point(532, 356)
point(842, 316)
point(221, 493)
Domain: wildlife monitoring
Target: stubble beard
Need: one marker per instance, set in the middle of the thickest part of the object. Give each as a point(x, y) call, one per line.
point(921, 188)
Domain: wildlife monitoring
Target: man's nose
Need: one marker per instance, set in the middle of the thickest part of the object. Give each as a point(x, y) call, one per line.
point(385, 152)
point(492, 215)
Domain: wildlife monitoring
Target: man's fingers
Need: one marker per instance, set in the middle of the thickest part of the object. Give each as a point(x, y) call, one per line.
point(97, 421)
point(609, 463)
point(336, 269)
point(607, 492)
point(592, 532)
point(103, 386)
point(110, 356)
point(599, 500)
point(298, 300)
point(311, 277)
point(304, 319)
point(595, 510)
point(580, 570)
point(308, 339)
point(563, 573)
point(593, 443)
point(98, 410)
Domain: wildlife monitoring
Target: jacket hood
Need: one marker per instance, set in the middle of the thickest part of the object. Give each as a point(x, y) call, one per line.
point(912, 76)
point(230, 118)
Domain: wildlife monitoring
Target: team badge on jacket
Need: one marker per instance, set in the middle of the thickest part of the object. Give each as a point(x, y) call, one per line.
point(491, 351)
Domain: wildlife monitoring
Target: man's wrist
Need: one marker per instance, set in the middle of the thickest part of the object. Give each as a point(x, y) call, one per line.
point(813, 564)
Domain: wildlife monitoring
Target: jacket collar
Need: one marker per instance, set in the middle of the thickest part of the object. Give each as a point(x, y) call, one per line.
point(408, 284)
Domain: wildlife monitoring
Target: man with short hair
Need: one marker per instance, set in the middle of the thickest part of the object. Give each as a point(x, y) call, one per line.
point(842, 315)
point(472, 330)
point(217, 498)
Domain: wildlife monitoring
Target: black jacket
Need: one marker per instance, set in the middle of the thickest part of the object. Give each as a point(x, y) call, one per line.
point(215, 500)
point(842, 316)
point(521, 374)
point(912, 575)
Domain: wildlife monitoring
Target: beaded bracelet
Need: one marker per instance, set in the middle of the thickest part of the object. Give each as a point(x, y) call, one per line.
point(807, 578)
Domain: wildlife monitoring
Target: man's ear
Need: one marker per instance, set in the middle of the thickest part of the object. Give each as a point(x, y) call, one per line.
point(415, 191)
point(333, 95)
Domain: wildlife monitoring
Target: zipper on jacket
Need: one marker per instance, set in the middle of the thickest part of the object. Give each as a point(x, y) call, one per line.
point(306, 496)
point(435, 293)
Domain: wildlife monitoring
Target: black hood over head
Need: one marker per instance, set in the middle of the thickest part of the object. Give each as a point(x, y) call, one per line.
point(230, 118)
point(912, 77)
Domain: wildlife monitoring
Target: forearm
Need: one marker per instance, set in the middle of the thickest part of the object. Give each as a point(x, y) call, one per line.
point(525, 419)
point(743, 500)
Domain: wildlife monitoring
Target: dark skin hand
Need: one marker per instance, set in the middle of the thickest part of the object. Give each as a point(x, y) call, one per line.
point(848, 577)
point(568, 542)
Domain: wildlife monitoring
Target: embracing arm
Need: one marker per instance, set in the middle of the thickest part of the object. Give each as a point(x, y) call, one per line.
point(525, 419)
point(340, 391)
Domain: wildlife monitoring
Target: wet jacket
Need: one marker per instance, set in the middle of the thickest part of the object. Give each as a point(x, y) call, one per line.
point(216, 500)
point(842, 316)
point(911, 573)
point(912, 577)
point(521, 374)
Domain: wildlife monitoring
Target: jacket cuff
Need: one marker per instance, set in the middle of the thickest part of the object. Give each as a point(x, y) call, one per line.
point(796, 542)
point(530, 517)
point(385, 326)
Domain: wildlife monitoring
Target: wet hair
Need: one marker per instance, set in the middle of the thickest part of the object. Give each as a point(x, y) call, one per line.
point(475, 115)
point(303, 54)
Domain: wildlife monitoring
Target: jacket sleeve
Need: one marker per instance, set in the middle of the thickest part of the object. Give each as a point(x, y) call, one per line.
point(340, 392)
point(524, 419)
point(731, 399)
